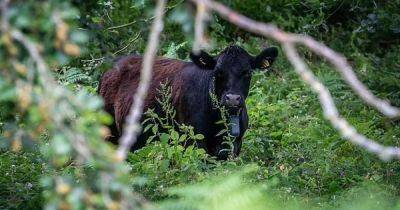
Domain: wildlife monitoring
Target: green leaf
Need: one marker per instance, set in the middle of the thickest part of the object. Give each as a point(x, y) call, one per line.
point(7, 94)
point(164, 165)
point(221, 132)
point(174, 135)
point(154, 129)
point(182, 138)
point(147, 127)
point(164, 138)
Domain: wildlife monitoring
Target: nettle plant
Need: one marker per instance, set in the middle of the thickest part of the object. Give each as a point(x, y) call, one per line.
point(171, 145)
point(226, 135)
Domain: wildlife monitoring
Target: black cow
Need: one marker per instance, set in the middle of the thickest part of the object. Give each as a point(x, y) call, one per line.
point(226, 75)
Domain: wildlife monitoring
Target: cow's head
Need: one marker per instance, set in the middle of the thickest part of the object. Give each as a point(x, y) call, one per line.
point(233, 69)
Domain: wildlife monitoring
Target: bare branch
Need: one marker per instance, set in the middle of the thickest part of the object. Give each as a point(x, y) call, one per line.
point(333, 57)
point(349, 76)
point(132, 126)
point(4, 16)
point(330, 111)
point(33, 52)
point(201, 16)
point(337, 60)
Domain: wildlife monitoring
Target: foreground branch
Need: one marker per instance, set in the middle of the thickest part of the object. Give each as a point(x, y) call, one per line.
point(201, 16)
point(288, 40)
point(132, 126)
point(330, 111)
point(65, 126)
point(4, 16)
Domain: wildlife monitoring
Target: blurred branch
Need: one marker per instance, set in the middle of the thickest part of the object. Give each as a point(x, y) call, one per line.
point(47, 81)
point(44, 76)
point(78, 140)
point(201, 16)
point(50, 98)
point(34, 53)
point(341, 65)
point(132, 126)
point(288, 40)
point(330, 111)
point(4, 16)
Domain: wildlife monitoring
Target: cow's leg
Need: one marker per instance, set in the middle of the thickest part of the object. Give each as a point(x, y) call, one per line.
point(140, 142)
point(141, 139)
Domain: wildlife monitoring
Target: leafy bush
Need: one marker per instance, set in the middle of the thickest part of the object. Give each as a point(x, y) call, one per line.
point(20, 174)
point(171, 155)
point(233, 192)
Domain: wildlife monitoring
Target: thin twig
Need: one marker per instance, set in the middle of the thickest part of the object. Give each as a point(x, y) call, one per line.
point(129, 43)
point(121, 26)
point(132, 126)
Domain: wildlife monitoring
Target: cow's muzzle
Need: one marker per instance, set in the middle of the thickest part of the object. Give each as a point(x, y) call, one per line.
point(233, 101)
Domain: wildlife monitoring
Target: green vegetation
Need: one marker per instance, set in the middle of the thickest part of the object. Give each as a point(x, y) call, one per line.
point(291, 157)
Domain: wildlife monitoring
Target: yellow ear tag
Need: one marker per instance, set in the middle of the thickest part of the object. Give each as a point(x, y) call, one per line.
point(202, 61)
point(265, 64)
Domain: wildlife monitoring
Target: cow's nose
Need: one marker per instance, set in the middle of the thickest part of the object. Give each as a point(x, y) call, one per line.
point(233, 99)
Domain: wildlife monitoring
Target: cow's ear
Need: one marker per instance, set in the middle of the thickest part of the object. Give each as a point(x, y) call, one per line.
point(266, 58)
point(203, 60)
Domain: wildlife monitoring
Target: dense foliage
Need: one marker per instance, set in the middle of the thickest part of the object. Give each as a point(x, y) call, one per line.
point(291, 157)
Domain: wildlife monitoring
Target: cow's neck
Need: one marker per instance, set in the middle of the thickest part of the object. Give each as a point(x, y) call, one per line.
point(232, 118)
point(199, 104)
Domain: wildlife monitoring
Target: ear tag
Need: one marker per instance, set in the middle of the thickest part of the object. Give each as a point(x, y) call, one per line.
point(234, 125)
point(265, 64)
point(202, 61)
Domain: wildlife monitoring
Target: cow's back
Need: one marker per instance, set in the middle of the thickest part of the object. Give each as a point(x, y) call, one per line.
point(119, 84)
